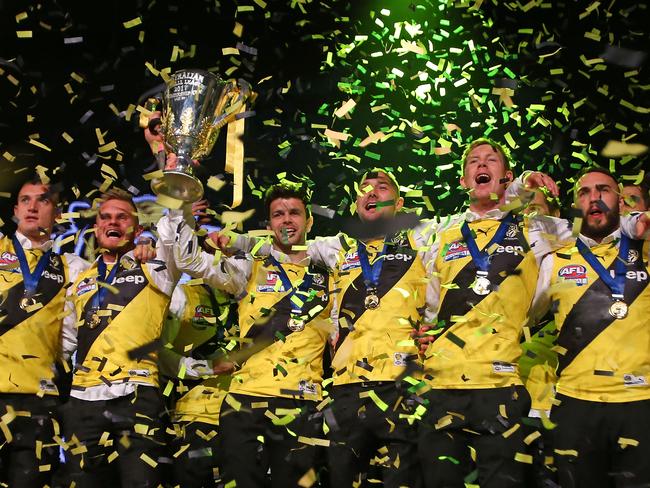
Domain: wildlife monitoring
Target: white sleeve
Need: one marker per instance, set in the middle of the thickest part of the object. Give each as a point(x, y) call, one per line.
point(76, 266)
point(228, 274)
point(426, 240)
point(325, 251)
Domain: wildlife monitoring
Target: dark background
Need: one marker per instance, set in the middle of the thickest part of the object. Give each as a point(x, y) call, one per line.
point(572, 68)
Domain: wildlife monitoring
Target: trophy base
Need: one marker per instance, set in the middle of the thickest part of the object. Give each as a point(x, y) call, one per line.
point(178, 185)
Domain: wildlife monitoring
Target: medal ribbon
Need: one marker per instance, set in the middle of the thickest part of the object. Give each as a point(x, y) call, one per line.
point(30, 280)
point(617, 283)
point(98, 297)
point(288, 286)
point(482, 258)
point(372, 271)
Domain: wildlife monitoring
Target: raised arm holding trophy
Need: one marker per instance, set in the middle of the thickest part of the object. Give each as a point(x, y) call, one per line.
point(196, 104)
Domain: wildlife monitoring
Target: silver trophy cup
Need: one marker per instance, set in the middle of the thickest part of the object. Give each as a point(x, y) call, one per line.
point(195, 106)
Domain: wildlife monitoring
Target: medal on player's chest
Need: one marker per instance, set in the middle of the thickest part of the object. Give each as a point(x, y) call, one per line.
point(93, 318)
point(296, 324)
point(481, 284)
point(27, 301)
point(372, 299)
point(618, 309)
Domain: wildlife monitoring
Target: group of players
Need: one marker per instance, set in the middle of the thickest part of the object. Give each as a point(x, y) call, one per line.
point(419, 356)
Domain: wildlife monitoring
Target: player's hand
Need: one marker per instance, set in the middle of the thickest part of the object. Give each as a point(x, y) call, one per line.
point(144, 250)
point(222, 241)
point(537, 179)
point(223, 367)
point(643, 226)
point(199, 210)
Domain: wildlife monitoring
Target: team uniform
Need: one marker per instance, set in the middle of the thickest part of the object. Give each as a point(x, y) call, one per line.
point(192, 336)
point(375, 363)
point(115, 419)
point(270, 416)
point(31, 333)
point(602, 406)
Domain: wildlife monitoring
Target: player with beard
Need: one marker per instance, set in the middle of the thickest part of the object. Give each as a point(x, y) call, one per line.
point(114, 421)
point(485, 268)
point(269, 419)
point(382, 295)
point(33, 324)
point(598, 290)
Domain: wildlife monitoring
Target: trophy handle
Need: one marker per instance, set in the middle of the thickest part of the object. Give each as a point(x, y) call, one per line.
point(238, 92)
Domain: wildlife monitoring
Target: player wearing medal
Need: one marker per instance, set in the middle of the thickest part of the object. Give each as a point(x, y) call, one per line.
point(32, 326)
point(383, 294)
point(269, 418)
point(114, 420)
point(484, 269)
point(598, 289)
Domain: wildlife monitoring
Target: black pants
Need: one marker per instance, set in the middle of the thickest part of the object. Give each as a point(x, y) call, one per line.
point(246, 460)
point(458, 419)
point(195, 466)
point(596, 433)
point(360, 429)
point(132, 426)
point(19, 460)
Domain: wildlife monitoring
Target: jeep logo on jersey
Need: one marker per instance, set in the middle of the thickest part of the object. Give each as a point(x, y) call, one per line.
point(52, 276)
point(351, 261)
point(574, 272)
point(399, 257)
point(632, 275)
point(456, 250)
point(509, 249)
point(203, 317)
point(8, 260)
point(137, 279)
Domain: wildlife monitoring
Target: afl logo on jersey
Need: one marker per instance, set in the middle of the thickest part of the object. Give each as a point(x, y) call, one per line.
point(574, 272)
point(271, 284)
point(203, 317)
point(86, 285)
point(351, 261)
point(8, 260)
point(456, 250)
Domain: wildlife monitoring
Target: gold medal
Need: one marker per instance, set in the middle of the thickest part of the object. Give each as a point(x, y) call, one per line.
point(481, 286)
point(618, 309)
point(371, 302)
point(296, 325)
point(26, 302)
point(93, 320)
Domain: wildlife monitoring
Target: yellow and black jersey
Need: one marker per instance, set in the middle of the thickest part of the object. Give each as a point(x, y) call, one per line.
point(287, 359)
point(202, 403)
point(122, 345)
point(30, 338)
point(477, 345)
point(376, 344)
point(537, 364)
point(601, 358)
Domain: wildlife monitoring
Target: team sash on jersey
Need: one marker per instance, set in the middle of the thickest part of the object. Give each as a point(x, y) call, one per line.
point(398, 260)
point(279, 314)
point(589, 317)
point(49, 285)
point(129, 283)
point(459, 301)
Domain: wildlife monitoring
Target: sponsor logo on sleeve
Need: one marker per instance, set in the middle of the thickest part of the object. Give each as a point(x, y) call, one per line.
point(574, 272)
point(203, 317)
point(8, 260)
